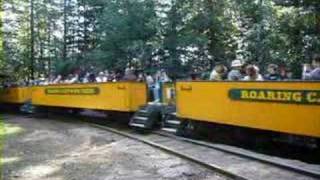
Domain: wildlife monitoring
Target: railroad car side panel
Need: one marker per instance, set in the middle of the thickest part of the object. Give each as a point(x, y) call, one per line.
point(289, 107)
point(17, 95)
point(138, 95)
point(105, 96)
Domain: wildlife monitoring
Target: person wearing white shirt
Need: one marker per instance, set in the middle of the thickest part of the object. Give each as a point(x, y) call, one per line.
point(252, 74)
point(100, 77)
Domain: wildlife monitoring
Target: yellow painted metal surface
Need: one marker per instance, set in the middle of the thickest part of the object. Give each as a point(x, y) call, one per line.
point(121, 96)
point(168, 93)
point(289, 107)
point(17, 95)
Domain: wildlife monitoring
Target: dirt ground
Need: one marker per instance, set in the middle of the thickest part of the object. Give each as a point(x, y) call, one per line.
point(50, 149)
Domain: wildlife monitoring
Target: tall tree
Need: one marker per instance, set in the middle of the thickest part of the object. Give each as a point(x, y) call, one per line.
point(32, 45)
point(177, 35)
point(127, 29)
point(2, 60)
point(65, 29)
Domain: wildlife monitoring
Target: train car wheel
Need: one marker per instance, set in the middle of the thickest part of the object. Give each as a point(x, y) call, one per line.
point(75, 111)
point(188, 128)
point(41, 112)
point(122, 117)
point(181, 128)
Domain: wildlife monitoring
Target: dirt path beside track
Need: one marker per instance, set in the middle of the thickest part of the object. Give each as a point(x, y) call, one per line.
point(48, 149)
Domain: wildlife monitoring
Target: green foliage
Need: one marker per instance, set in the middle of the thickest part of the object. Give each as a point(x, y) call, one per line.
point(2, 60)
point(177, 35)
point(126, 33)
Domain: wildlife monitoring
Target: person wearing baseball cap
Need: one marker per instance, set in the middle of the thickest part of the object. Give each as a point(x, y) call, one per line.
point(235, 73)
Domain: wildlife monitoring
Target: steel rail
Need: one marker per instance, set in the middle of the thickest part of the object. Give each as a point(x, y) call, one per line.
point(173, 152)
point(285, 166)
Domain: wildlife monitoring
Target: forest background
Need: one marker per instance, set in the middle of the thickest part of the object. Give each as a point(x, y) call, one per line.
point(47, 37)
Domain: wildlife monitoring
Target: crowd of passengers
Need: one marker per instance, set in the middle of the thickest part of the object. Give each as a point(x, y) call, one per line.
point(251, 72)
point(238, 72)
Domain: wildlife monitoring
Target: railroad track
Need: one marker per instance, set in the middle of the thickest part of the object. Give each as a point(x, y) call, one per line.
point(300, 170)
point(232, 164)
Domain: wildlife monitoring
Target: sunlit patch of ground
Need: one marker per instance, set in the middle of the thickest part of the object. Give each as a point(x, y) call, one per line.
point(9, 129)
point(40, 171)
point(5, 131)
point(40, 149)
point(6, 160)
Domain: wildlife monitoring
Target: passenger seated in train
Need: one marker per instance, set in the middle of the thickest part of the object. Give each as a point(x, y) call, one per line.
point(73, 78)
point(118, 76)
point(235, 73)
point(141, 77)
point(218, 73)
point(92, 78)
point(312, 72)
point(273, 73)
point(129, 75)
point(85, 78)
point(239, 71)
point(252, 72)
point(194, 76)
point(101, 78)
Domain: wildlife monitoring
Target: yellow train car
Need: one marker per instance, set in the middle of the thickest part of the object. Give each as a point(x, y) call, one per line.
point(120, 96)
point(168, 93)
point(16, 95)
point(286, 107)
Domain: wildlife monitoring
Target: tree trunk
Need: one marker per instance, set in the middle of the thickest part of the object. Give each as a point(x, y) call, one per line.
point(32, 40)
point(65, 29)
point(211, 33)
